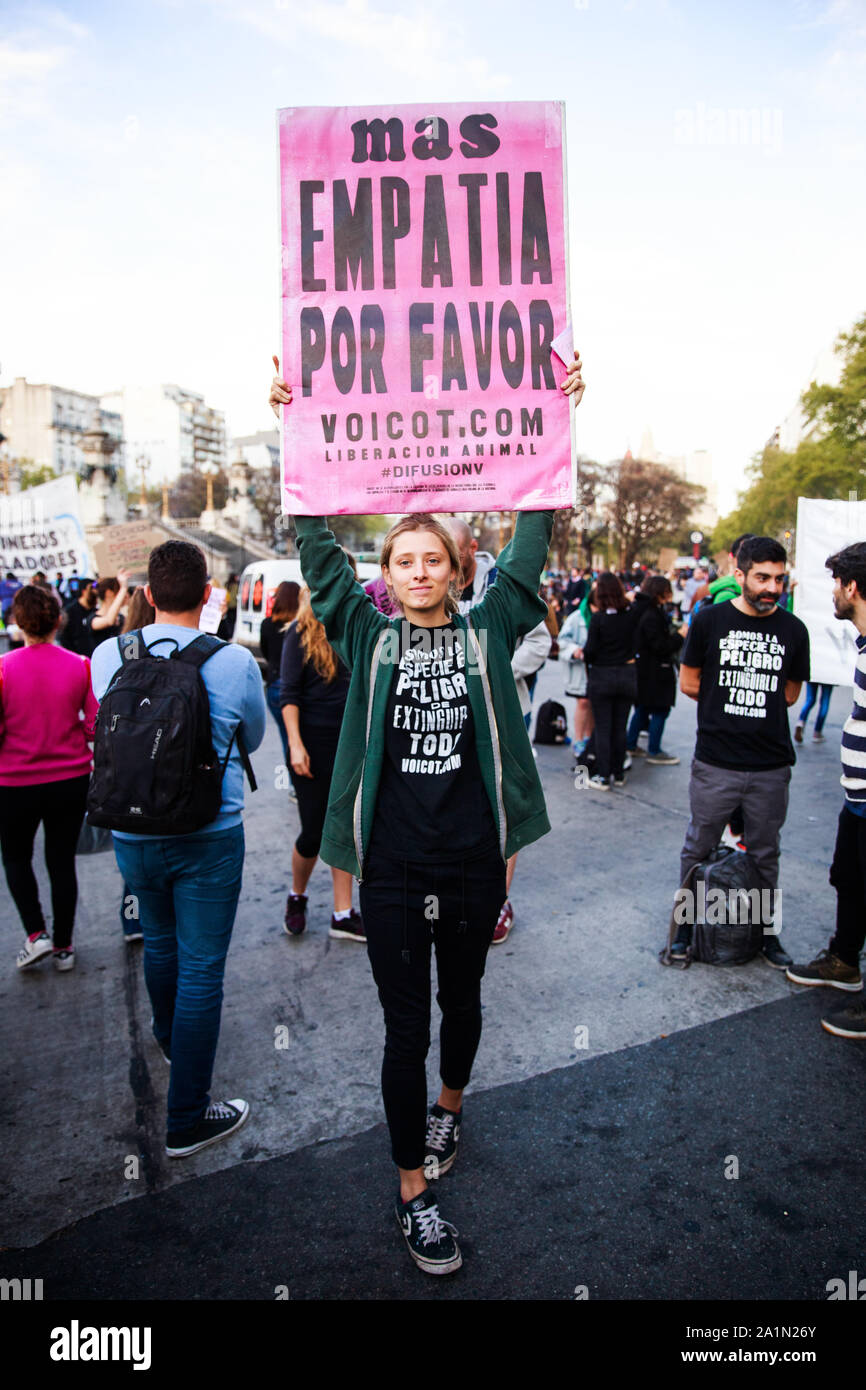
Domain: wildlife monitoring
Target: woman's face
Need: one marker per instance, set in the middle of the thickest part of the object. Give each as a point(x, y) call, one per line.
point(418, 573)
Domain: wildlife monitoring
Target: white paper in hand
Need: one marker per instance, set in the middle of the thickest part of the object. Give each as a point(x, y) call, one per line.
point(211, 614)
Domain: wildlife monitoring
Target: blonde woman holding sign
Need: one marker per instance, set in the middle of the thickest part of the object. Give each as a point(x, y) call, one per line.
point(427, 804)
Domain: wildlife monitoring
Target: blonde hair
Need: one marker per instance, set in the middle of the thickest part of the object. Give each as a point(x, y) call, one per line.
point(314, 643)
point(425, 521)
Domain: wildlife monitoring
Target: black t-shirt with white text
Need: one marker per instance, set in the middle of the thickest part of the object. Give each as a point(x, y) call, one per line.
point(745, 662)
point(431, 803)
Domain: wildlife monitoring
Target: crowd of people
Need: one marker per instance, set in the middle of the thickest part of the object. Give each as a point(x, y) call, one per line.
point(404, 713)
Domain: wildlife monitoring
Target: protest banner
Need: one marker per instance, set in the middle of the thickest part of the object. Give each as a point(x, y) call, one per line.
point(823, 527)
point(424, 286)
point(126, 546)
point(40, 529)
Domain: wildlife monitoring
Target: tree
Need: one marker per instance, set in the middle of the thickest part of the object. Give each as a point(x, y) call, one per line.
point(188, 496)
point(650, 505)
point(592, 482)
point(31, 474)
point(829, 462)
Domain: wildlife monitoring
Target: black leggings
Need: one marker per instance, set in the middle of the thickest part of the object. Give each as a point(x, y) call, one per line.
point(312, 792)
point(405, 908)
point(612, 692)
point(60, 807)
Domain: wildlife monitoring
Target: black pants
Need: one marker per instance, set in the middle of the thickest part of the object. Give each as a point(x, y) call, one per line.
point(405, 908)
point(612, 692)
point(312, 792)
point(848, 877)
point(60, 808)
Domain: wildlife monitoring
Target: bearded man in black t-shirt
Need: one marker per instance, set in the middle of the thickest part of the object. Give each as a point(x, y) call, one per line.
point(744, 662)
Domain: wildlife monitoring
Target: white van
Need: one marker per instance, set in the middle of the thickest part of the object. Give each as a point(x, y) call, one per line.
point(258, 585)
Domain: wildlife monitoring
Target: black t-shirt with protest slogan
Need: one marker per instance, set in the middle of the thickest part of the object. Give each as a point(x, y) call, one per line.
point(745, 662)
point(431, 804)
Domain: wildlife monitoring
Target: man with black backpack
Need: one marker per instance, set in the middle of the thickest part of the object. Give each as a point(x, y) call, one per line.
point(179, 710)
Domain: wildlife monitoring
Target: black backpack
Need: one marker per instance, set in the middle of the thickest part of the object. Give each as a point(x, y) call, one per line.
point(551, 725)
point(740, 935)
point(155, 769)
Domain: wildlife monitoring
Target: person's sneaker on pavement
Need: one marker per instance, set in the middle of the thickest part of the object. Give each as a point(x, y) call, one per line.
point(818, 737)
point(34, 949)
point(848, 1023)
point(662, 759)
point(826, 969)
point(221, 1119)
point(349, 927)
point(64, 959)
point(443, 1134)
point(430, 1239)
point(798, 733)
point(682, 941)
point(296, 914)
point(775, 954)
point(504, 923)
point(598, 784)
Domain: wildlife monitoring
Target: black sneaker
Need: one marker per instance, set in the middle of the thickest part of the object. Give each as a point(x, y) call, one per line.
point(220, 1119)
point(295, 921)
point(443, 1135)
point(848, 1023)
point(775, 954)
point(430, 1239)
point(349, 928)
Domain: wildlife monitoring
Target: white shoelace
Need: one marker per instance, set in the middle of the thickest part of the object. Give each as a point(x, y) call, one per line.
point(431, 1226)
point(438, 1131)
point(218, 1110)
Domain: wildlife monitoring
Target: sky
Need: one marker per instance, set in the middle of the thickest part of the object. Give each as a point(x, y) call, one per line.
point(713, 256)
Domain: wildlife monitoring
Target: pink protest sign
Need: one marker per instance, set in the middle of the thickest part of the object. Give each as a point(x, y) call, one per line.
point(424, 280)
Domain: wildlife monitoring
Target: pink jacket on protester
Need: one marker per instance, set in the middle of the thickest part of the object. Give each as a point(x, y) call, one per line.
point(44, 692)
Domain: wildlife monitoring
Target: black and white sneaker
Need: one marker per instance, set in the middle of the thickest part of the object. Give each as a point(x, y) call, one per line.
point(33, 950)
point(430, 1239)
point(775, 954)
point(443, 1134)
point(221, 1119)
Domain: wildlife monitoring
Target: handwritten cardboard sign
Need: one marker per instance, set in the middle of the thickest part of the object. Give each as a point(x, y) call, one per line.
point(126, 547)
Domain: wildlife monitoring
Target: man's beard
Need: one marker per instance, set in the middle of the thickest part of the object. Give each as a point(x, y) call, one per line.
point(763, 603)
point(843, 607)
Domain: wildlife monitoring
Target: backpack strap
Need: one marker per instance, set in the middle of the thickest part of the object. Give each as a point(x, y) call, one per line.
point(665, 957)
point(196, 653)
point(200, 650)
point(238, 737)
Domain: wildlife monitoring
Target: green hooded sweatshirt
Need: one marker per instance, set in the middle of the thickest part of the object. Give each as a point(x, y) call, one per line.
point(368, 643)
point(724, 588)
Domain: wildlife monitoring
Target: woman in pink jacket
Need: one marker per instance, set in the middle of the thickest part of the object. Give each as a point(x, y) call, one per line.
point(47, 719)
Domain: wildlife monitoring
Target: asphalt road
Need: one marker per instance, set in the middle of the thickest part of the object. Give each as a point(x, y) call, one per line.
point(605, 1168)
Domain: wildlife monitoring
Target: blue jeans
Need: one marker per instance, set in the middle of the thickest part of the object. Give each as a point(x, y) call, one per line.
point(187, 888)
point(811, 697)
point(642, 719)
point(272, 695)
